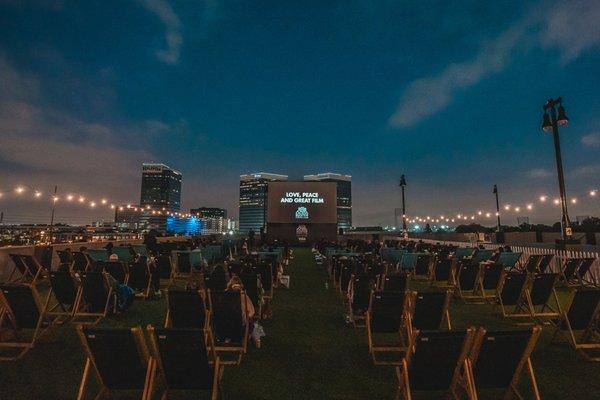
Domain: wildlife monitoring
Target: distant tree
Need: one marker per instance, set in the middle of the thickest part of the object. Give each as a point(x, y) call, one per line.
point(428, 228)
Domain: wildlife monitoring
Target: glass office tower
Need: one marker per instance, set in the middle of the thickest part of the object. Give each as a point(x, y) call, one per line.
point(253, 200)
point(161, 187)
point(344, 195)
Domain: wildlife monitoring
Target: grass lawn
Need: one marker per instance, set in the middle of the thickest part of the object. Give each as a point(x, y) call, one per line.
point(309, 352)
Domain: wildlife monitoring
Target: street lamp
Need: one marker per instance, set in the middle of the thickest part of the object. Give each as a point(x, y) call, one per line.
point(555, 116)
point(402, 185)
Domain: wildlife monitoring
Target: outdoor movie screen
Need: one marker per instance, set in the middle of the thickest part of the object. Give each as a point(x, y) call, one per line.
point(302, 202)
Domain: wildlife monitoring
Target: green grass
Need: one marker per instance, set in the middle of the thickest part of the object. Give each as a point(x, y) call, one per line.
point(309, 352)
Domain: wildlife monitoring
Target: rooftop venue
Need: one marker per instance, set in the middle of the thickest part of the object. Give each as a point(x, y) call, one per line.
point(299, 200)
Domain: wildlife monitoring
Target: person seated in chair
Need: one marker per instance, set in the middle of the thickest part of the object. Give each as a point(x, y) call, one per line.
point(235, 284)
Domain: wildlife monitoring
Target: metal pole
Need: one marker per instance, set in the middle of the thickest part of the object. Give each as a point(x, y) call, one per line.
point(566, 232)
point(402, 185)
point(53, 209)
point(497, 207)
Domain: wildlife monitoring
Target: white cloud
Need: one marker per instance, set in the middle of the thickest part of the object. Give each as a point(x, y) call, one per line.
point(173, 38)
point(570, 26)
point(591, 140)
point(539, 173)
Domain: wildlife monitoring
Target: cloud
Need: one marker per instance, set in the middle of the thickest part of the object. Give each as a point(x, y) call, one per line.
point(591, 170)
point(570, 26)
point(172, 23)
point(539, 173)
point(591, 140)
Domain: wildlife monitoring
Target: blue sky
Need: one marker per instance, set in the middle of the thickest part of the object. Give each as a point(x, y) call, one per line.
point(449, 95)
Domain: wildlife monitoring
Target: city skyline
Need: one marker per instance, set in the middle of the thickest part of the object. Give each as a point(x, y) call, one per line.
point(449, 96)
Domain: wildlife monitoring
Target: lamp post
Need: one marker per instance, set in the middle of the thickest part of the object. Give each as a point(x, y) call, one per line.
point(554, 115)
point(497, 208)
point(402, 185)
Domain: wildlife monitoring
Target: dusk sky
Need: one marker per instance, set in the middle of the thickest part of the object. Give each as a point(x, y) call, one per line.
point(448, 93)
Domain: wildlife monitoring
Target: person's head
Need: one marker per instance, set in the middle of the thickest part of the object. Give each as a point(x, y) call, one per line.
point(235, 283)
point(113, 257)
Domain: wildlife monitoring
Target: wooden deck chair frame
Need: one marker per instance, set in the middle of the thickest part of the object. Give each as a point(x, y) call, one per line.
point(243, 348)
point(500, 289)
point(526, 267)
point(26, 275)
point(589, 338)
point(480, 292)
point(176, 273)
point(147, 291)
point(574, 280)
point(375, 348)
point(525, 304)
point(165, 282)
point(218, 367)
point(525, 360)
point(359, 321)
point(7, 315)
point(412, 294)
point(90, 365)
point(430, 262)
point(461, 371)
point(66, 310)
point(470, 294)
point(80, 255)
point(207, 309)
point(450, 281)
point(40, 269)
point(91, 318)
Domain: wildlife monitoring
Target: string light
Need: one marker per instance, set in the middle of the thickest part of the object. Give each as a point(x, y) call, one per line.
point(593, 193)
point(103, 201)
point(37, 193)
point(19, 189)
point(70, 197)
point(517, 209)
point(81, 199)
point(574, 200)
point(556, 201)
point(530, 206)
point(92, 204)
point(507, 207)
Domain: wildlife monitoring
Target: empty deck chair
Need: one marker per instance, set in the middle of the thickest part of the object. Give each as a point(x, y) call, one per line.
point(509, 259)
point(488, 279)
point(164, 269)
point(435, 361)
point(466, 278)
point(532, 263)
point(116, 269)
point(139, 277)
point(97, 255)
point(26, 269)
point(582, 271)
point(396, 283)
point(386, 316)
point(23, 313)
point(266, 278)
point(442, 272)
point(423, 265)
point(583, 315)
point(497, 359)
point(358, 298)
point(93, 299)
point(184, 361)
point(182, 263)
point(81, 262)
point(482, 255)
point(545, 262)
point(186, 309)
point(63, 289)
point(119, 358)
point(537, 297)
point(231, 331)
point(511, 289)
point(569, 271)
point(429, 310)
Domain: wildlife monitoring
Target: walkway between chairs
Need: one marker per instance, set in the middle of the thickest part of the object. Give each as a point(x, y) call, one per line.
point(309, 351)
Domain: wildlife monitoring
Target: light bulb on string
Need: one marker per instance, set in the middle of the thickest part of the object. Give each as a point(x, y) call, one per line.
point(574, 200)
point(593, 193)
point(37, 194)
point(70, 197)
point(81, 199)
point(19, 189)
point(103, 201)
point(543, 198)
point(530, 206)
point(556, 201)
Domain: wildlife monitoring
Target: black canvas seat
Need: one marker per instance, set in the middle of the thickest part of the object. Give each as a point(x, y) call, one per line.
point(265, 271)
point(63, 289)
point(582, 272)
point(510, 290)
point(119, 358)
point(230, 329)
point(532, 263)
point(397, 282)
point(435, 361)
point(497, 359)
point(183, 264)
point(442, 271)
point(583, 315)
point(423, 266)
point(139, 277)
point(116, 269)
point(65, 258)
point(569, 271)
point(344, 278)
point(216, 281)
point(24, 270)
point(488, 279)
point(94, 298)
point(164, 268)
point(466, 278)
point(185, 360)
point(33, 266)
point(186, 309)
point(538, 295)
point(429, 310)
point(386, 315)
point(21, 310)
point(545, 263)
point(81, 261)
point(253, 288)
point(359, 296)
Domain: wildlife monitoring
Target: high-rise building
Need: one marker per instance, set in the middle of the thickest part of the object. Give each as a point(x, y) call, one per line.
point(253, 200)
point(161, 187)
point(209, 212)
point(344, 195)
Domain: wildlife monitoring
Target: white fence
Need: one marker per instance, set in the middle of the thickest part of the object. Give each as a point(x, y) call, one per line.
point(560, 256)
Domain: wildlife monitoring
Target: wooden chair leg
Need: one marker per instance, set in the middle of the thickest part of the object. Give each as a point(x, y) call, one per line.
point(84, 378)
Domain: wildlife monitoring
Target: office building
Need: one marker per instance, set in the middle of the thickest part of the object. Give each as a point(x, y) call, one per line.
point(161, 187)
point(253, 200)
point(344, 195)
point(209, 212)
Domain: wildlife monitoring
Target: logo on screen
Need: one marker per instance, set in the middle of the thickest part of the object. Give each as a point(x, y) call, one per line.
point(301, 213)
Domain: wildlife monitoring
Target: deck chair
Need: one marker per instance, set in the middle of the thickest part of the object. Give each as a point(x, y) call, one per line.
point(93, 299)
point(119, 358)
point(385, 316)
point(497, 359)
point(185, 360)
point(63, 289)
point(395, 283)
point(423, 266)
point(81, 262)
point(359, 295)
point(429, 310)
point(28, 269)
point(164, 269)
point(436, 361)
point(65, 258)
point(510, 290)
point(216, 281)
point(442, 272)
point(532, 263)
point(183, 265)
point(583, 315)
point(466, 278)
point(116, 269)
point(187, 309)
point(139, 277)
point(509, 259)
point(545, 262)
point(231, 333)
point(22, 310)
point(266, 278)
point(464, 252)
point(251, 282)
point(535, 299)
point(488, 279)
point(569, 271)
point(124, 254)
point(482, 255)
point(97, 255)
point(344, 278)
point(582, 271)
